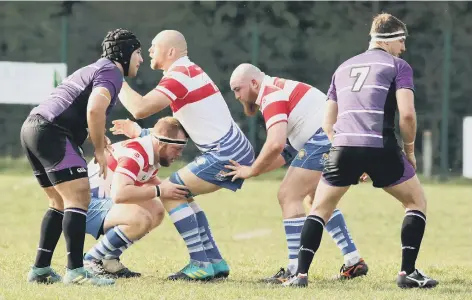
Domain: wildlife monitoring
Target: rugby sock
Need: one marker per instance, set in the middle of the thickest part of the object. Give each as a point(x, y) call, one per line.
point(293, 230)
point(112, 245)
point(51, 229)
point(338, 231)
point(209, 244)
point(310, 242)
point(186, 223)
point(413, 228)
point(73, 226)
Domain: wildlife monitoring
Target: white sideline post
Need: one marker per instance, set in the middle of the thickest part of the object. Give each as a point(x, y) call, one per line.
point(467, 147)
point(427, 153)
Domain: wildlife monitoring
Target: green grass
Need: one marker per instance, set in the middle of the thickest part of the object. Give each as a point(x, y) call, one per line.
point(373, 217)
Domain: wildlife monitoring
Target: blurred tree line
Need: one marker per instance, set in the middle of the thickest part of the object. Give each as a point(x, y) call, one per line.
point(304, 41)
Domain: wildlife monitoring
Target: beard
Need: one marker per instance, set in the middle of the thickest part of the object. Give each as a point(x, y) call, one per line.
point(250, 109)
point(164, 162)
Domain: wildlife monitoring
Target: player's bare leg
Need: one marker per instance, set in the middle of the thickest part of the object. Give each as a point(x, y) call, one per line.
point(298, 183)
point(76, 196)
point(123, 226)
point(326, 200)
point(191, 223)
point(51, 229)
point(410, 193)
point(308, 201)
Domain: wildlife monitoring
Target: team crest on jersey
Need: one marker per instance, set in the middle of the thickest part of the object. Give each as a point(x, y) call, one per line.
point(221, 176)
point(200, 161)
point(324, 158)
point(301, 154)
point(137, 155)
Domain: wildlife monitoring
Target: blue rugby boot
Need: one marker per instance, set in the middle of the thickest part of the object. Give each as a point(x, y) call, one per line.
point(44, 275)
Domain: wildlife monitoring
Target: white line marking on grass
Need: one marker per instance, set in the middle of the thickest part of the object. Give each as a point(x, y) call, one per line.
point(252, 234)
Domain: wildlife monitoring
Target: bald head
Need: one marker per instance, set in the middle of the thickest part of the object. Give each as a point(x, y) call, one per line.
point(244, 73)
point(246, 82)
point(167, 47)
point(168, 39)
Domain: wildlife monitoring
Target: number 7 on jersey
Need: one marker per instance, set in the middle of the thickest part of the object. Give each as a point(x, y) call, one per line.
point(361, 75)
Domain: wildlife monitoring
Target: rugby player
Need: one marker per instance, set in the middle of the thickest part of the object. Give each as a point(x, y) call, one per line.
point(364, 94)
point(52, 136)
point(197, 103)
point(124, 204)
point(293, 113)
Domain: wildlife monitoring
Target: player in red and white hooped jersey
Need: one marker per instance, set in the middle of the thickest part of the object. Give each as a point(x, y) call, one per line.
point(292, 111)
point(198, 104)
point(124, 205)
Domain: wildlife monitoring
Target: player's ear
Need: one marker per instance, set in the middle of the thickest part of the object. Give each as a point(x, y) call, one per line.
point(171, 52)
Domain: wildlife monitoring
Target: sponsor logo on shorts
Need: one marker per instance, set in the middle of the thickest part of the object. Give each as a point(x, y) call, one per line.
point(301, 154)
point(81, 170)
point(324, 158)
point(221, 176)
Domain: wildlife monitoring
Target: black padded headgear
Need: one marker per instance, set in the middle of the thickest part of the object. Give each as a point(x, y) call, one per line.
point(118, 46)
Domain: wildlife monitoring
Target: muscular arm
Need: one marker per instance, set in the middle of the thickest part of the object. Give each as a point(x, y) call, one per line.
point(141, 107)
point(123, 190)
point(330, 117)
point(96, 116)
point(407, 122)
point(273, 146)
point(276, 164)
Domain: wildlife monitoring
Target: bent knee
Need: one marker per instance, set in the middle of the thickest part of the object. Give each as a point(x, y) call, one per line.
point(157, 214)
point(287, 195)
point(141, 222)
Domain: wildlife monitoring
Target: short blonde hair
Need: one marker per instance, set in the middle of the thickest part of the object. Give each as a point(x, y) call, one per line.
point(386, 23)
point(168, 127)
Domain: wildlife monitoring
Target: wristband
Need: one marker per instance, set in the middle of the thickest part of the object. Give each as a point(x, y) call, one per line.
point(158, 191)
point(144, 132)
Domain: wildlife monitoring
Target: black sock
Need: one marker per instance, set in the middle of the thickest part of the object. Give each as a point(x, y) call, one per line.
point(51, 229)
point(310, 242)
point(74, 232)
point(413, 227)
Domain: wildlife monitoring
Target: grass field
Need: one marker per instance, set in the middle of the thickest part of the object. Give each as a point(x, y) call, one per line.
point(248, 229)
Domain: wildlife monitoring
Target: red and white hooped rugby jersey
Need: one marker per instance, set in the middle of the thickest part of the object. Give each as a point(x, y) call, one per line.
point(299, 104)
point(196, 102)
point(133, 158)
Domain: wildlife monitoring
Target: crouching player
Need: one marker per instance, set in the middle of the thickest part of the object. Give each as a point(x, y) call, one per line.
point(124, 205)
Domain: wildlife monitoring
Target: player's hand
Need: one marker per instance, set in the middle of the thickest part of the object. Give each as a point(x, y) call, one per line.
point(101, 160)
point(364, 177)
point(173, 191)
point(127, 127)
point(243, 172)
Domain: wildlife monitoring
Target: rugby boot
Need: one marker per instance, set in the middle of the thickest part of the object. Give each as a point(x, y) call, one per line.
point(95, 267)
point(81, 276)
point(116, 269)
point(194, 271)
point(415, 280)
point(356, 270)
point(44, 275)
point(300, 280)
point(280, 277)
point(221, 269)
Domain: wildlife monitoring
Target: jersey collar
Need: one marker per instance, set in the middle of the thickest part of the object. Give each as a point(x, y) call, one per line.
point(184, 60)
point(149, 149)
point(266, 81)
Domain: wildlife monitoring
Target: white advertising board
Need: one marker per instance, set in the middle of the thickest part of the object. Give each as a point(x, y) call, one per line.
point(28, 82)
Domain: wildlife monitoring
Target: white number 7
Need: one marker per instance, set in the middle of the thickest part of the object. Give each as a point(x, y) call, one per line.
point(361, 75)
